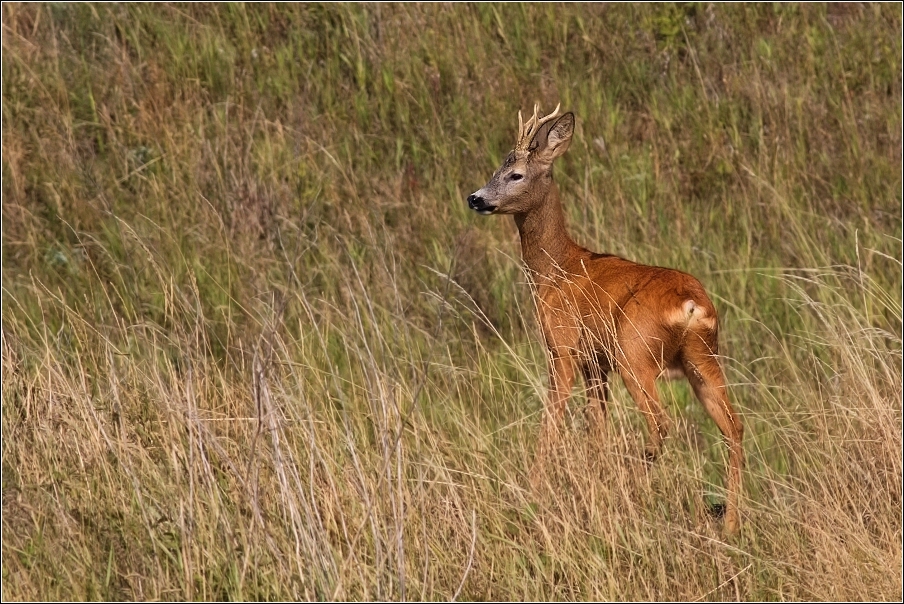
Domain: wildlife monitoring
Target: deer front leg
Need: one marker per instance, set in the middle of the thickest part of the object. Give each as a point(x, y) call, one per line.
point(561, 379)
point(596, 379)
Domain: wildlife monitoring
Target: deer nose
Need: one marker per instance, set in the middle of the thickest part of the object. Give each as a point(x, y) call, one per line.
point(480, 205)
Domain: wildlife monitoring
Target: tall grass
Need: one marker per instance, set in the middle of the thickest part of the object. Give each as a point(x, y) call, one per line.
point(255, 347)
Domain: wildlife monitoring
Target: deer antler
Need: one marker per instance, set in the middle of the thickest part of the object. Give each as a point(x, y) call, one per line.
point(527, 131)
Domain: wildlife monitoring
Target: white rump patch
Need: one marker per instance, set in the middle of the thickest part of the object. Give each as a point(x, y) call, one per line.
point(689, 307)
point(690, 312)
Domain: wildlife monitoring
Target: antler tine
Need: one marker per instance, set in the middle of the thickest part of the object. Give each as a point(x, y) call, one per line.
point(526, 131)
point(554, 114)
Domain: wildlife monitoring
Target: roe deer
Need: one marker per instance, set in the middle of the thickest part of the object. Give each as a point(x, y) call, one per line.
point(600, 313)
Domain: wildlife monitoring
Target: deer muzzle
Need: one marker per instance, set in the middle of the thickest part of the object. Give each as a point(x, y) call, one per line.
point(479, 204)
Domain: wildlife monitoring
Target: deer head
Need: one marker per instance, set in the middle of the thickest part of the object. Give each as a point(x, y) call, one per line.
point(523, 180)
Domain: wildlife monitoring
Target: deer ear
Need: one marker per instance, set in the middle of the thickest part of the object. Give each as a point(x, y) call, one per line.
point(558, 139)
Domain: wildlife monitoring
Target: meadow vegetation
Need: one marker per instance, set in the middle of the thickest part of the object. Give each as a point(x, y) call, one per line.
point(255, 346)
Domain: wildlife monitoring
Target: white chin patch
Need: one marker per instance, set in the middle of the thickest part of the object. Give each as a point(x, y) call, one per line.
point(485, 212)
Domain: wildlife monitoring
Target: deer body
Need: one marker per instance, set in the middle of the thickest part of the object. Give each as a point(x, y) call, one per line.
point(600, 313)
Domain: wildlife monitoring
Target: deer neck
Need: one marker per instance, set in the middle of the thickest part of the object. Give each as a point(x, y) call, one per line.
point(545, 244)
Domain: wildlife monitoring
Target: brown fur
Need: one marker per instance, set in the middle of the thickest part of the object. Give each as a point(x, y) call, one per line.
point(600, 313)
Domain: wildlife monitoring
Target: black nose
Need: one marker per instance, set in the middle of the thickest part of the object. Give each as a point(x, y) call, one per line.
point(480, 205)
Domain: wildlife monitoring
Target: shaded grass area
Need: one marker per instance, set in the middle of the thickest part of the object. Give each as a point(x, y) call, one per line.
point(255, 346)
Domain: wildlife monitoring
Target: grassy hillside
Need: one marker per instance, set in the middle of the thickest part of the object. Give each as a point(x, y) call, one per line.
point(256, 347)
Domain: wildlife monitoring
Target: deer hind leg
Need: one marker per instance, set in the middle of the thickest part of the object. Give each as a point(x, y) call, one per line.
point(641, 385)
point(706, 378)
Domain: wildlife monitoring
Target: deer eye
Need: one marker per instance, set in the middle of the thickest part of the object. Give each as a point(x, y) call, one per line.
point(516, 176)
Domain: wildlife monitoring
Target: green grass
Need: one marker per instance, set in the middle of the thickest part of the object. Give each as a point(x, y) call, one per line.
point(256, 347)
